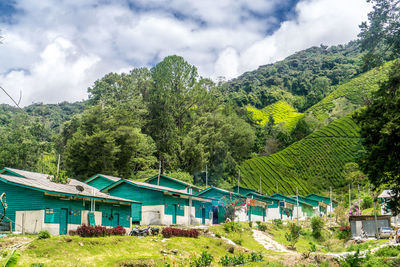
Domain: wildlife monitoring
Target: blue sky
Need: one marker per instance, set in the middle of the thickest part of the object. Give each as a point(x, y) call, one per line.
point(53, 51)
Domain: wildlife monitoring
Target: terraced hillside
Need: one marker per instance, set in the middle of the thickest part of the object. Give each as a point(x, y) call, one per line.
point(349, 96)
point(313, 163)
point(281, 111)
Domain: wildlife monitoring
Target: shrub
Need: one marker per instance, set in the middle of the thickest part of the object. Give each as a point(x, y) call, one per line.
point(250, 224)
point(240, 259)
point(232, 227)
point(344, 232)
point(293, 235)
point(44, 234)
point(170, 232)
point(205, 259)
point(313, 247)
point(119, 230)
point(317, 224)
point(277, 222)
point(262, 227)
point(366, 202)
point(96, 231)
point(389, 251)
point(352, 260)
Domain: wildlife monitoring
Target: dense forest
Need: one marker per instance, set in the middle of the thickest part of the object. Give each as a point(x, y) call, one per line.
point(288, 123)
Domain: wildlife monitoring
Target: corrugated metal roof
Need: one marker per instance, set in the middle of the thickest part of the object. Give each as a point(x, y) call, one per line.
point(174, 179)
point(41, 181)
point(386, 194)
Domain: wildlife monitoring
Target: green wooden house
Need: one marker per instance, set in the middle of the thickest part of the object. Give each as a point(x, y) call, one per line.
point(285, 207)
point(170, 182)
point(101, 181)
point(258, 206)
point(319, 207)
point(222, 199)
point(242, 190)
point(35, 203)
point(163, 205)
point(322, 199)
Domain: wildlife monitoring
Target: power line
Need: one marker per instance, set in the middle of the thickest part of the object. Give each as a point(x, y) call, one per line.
point(15, 102)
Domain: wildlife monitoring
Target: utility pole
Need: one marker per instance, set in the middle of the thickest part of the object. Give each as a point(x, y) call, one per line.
point(58, 164)
point(260, 186)
point(297, 208)
point(159, 173)
point(206, 177)
point(277, 187)
point(359, 202)
point(376, 220)
point(238, 182)
point(330, 198)
point(349, 196)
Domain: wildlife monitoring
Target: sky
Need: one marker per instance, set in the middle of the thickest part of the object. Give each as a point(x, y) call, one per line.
point(53, 50)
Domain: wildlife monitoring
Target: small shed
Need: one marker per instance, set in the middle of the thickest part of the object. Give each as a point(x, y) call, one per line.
point(163, 205)
point(36, 203)
point(368, 223)
point(166, 181)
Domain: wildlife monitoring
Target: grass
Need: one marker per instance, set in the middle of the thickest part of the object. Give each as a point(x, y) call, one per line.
point(282, 113)
point(128, 251)
point(242, 238)
point(311, 164)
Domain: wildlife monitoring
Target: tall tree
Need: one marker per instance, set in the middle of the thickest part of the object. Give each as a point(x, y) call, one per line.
point(380, 130)
point(381, 36)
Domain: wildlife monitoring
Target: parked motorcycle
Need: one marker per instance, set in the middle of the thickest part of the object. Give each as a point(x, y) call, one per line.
point(136, 231)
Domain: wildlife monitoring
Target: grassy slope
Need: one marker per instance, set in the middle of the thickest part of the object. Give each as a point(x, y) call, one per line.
point(348, 96)
point(313, 163)
point(316, 162)
point(281, 111)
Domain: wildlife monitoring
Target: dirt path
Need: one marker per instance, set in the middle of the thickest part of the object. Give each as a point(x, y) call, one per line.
point(268, 243)
point(341, 255)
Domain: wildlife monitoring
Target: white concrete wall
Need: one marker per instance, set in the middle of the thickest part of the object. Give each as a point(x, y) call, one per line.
point(255, 218)
point(85, 217)
point(272, 214)
point(241, 215)
point(53, 228)
point(73, 227)
point(153, 214)
point(31, 220)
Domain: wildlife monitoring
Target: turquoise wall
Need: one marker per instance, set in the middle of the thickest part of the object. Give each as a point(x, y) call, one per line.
point(100, 182)
point(19, 198)
point(143, 195)
point(168, 183)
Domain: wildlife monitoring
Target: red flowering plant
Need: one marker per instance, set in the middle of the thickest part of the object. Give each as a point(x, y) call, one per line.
point(233, 205)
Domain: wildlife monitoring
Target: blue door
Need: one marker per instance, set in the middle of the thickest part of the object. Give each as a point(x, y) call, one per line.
point(63, 221)
point(115, 221)
point(174, 211)
point(203, 215)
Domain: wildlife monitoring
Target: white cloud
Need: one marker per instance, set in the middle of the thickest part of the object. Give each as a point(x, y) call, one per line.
point(55, 51)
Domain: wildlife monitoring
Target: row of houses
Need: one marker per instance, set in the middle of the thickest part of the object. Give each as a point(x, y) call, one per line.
point(36, 203)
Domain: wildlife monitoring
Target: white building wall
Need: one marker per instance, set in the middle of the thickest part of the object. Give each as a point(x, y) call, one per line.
point(272, 214)
point(153, 215)
point(85, 217)
point(29, 221)
point(255, 218)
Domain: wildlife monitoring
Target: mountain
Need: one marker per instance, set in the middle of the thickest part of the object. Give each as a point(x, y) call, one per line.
point(316, 162)
point(301, 79)
point(311, 164)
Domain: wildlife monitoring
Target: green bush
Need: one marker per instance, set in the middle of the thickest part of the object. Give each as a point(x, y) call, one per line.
point(389, 251)
point(277, 222)
point(293, 235)
point(313, 247)
point(352, 260)
point(262, 227)
point(232, 227)
point(317, 224)
point(44, 234)
point(366, 202)
point(205, 259)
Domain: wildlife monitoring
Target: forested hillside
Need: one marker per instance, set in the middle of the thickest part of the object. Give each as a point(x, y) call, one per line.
point(311, 164)
point(302, 79)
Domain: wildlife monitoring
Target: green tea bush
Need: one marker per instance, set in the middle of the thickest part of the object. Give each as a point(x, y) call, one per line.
point(277, 222)
point(44, 234)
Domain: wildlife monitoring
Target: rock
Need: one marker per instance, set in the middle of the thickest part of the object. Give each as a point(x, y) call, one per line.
point(164, 252)
point(175, 251)
point(80, 244)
